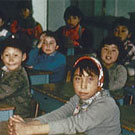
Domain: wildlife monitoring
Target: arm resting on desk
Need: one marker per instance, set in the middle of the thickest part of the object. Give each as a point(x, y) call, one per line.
point(18, 125)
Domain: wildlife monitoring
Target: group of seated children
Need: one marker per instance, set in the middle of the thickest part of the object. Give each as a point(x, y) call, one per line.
point(92, 109)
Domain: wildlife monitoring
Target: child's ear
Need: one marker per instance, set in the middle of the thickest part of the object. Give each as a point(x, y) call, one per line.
point(24, 57)
point(57, 46)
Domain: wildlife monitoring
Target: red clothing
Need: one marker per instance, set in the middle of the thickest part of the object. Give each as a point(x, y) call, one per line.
point(74, 34)
point(31, 31)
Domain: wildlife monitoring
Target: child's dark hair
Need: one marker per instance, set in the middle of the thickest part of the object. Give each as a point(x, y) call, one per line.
point(123, 22)
point(49, 33)
point(87, 65)
point(109, 41)
point(73, 11)
point(13, 41)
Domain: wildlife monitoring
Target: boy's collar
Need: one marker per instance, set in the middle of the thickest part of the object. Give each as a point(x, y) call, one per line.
point(52, 54)
point(4, 68)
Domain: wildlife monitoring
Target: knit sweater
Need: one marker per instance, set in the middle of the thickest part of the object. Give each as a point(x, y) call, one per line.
point(56, 62)
point(101, 118)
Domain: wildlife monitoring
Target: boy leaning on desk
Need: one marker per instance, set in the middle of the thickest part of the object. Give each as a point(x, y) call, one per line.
point(14, 83)
point(90, 110)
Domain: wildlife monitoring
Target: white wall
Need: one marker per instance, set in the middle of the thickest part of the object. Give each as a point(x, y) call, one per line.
point(40, 12)
point(56, 9)
point(120, 7)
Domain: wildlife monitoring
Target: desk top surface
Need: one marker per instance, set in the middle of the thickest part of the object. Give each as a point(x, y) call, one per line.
point(50, 90)
point(128, 117)
point(38, 72)
point(5, 107)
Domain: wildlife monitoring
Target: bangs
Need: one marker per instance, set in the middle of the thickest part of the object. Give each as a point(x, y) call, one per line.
point(89, 66)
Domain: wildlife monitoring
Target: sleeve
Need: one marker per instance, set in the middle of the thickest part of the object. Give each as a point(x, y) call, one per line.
point(61, 113)
point(33, 57)
point(38, 30)
point(10, 84)
point(119, 80)
point(13, 26)
point(84, 121)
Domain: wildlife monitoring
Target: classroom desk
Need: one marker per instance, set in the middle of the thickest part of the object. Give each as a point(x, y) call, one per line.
point(5, 111)
point(38, 76)
point(128, 119)
point(48, 96)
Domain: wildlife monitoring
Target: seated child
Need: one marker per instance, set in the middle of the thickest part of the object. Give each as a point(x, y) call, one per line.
point(25, 22)
point(4, 32)
point(110, 55)
point(74, 33)
point(90, 110)
point(14, 82)
point(46, 57)
point(122, 29)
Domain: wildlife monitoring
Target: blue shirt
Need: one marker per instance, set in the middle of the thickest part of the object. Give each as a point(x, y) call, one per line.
point(56, 62)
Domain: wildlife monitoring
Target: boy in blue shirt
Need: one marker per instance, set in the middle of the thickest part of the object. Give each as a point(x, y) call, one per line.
point(46, 57)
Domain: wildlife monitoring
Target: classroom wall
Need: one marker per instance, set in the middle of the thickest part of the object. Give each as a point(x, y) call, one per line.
point(40, 12)
point(55, 13)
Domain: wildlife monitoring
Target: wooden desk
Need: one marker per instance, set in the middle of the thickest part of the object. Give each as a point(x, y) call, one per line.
point(128, 118)
point(6, 111)
point(47, 96)
point(38, 76)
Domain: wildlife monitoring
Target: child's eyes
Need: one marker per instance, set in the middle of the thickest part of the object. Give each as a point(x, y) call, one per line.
point(6, 55)
point(90, 79)
point(105, 49)
point(77, 78)
point(74, 17)
point(113, 50)
point(16, 55)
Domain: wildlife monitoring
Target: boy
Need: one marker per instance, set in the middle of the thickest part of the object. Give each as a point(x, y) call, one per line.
point(26, 24)
point(14, 83)
point(122, 29)
point(46, 57)
point(90, 110)
point(74, 34)
point(110, 55)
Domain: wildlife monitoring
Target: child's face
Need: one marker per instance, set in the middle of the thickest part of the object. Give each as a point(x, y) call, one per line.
point(1, 22)
point(49, 45)
point(73, 21)
point(25, 13)
point(12, 58)
point(109, 54)
point(122, 32)
point(85, 85)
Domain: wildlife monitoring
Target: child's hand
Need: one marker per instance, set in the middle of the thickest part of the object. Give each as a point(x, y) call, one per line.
point(20, 129)
point(40, 44)
point(12, 121)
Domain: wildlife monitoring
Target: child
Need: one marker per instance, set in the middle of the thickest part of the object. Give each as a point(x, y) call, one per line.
point(73, 33)
point(122, 29)
point(110, 54)
point(14, 83)
point(25, 23)
point(4, 32)
point(90, 110)
point(46, 57)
